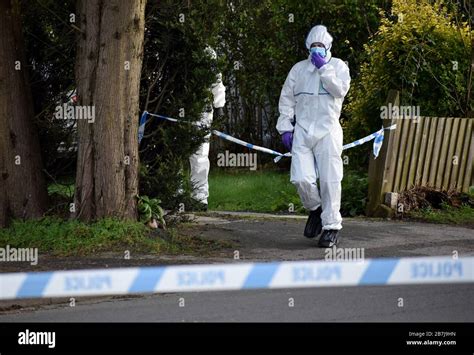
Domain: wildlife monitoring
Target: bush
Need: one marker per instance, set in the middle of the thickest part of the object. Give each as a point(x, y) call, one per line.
point(176, 78)
point(354, 193)
point(413, 52)
point(266, 38)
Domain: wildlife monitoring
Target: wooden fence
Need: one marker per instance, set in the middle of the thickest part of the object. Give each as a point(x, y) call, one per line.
point(427, 151)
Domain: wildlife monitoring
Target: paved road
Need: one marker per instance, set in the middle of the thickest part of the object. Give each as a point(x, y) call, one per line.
point(440, 303)
point(266, 239)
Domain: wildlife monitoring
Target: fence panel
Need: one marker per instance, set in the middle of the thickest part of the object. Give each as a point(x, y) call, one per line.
point(428, 151)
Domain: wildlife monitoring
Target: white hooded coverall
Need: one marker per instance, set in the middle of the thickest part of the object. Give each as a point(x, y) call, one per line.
point(315, 97)
point(199, 161)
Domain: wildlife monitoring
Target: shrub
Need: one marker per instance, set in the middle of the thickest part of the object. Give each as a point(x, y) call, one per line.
point(354, 193)
point(423, 50)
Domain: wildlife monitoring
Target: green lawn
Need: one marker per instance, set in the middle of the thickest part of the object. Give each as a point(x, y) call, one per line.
point(265, 191)
point(271, 191)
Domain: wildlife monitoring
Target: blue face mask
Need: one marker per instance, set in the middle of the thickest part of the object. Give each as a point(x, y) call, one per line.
point(319, 50)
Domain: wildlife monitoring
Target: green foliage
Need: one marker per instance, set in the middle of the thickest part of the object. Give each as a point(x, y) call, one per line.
point(50, 50)
point(72, 237)
point(286, 197)
point(257, 44)
point(251, 191)
point(263, 40)
point(354, 193)
point(149, 209)
point(176, 78)
point(270, 191)
point(414, 51)
point(65, 190)
point(176, 74)
point(463, 215)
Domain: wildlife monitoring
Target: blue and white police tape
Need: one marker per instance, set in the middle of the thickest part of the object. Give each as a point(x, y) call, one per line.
point(239, 276)
point(250, 145)
point(142, 123)
point(141, 126)
point(378, 136)
point(219, 134)
point(164, 117)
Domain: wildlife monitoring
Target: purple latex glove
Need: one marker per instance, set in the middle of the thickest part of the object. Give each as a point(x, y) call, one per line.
point(317, 60)
point(287, 139)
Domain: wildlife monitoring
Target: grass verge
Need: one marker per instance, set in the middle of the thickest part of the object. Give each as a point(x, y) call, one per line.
point(463, 215)
point(74, 238)
point(264, 191)
point(271, 191)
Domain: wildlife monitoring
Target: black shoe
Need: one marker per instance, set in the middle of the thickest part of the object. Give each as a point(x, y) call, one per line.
point(328, 239)
point(313, 225)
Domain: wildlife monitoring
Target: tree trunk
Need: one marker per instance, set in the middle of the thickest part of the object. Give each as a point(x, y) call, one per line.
point(108, 67)
point(22, 186)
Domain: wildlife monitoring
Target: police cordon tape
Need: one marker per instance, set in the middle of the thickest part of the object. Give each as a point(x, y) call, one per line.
point(237, 276)
point(377, 136)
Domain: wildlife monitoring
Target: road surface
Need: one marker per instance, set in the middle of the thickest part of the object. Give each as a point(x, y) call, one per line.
point(273, 239)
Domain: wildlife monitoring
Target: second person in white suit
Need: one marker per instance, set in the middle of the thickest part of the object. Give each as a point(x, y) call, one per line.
point(199, 161)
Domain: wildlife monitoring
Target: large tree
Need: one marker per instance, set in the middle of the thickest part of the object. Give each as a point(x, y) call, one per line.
point(108, 66)
point(22, 185)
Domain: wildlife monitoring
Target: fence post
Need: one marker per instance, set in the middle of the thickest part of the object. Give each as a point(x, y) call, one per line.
point(380, 168)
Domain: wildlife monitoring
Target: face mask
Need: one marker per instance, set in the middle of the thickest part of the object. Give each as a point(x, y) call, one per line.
point(319, 50)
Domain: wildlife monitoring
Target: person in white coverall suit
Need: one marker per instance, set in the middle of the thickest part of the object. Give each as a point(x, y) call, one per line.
point(313, 93)
point(199, 161)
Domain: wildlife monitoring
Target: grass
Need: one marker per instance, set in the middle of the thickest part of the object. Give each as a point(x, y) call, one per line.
point(463, 215)
point(261, 191)
point(271, 191)
point(73, 238)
